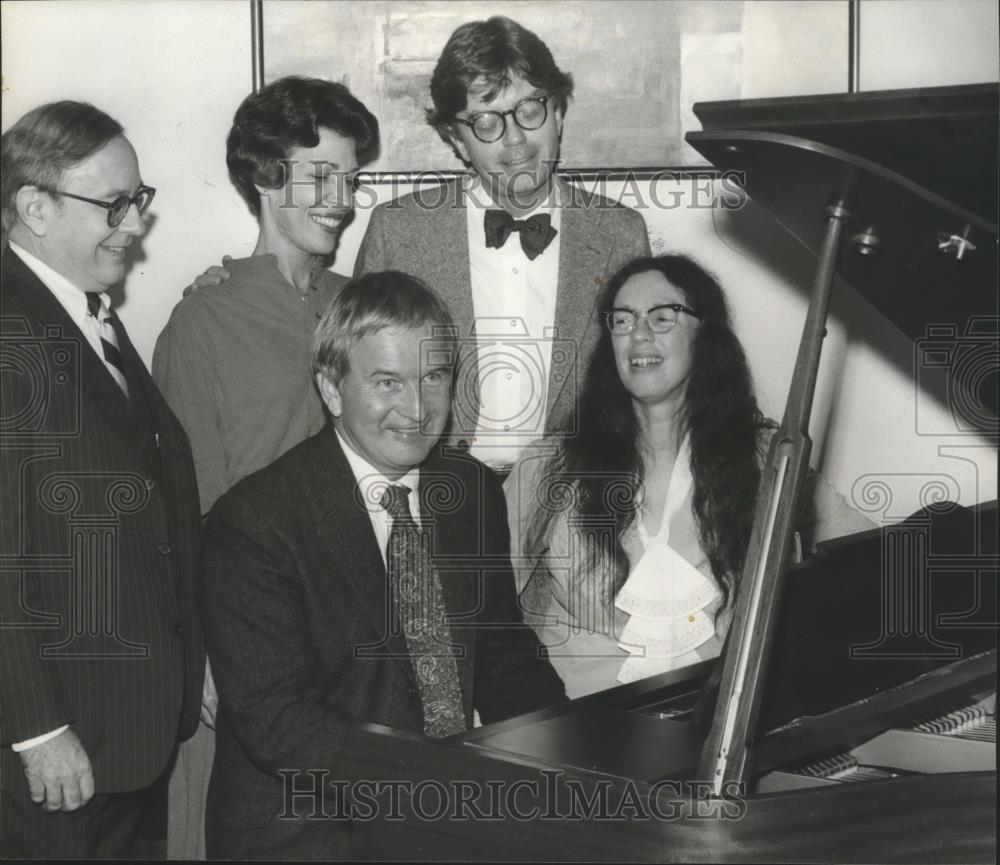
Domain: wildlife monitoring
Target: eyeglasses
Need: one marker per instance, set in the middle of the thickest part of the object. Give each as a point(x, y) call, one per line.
point(490, 126)
point(659, 318)
point(119, 207)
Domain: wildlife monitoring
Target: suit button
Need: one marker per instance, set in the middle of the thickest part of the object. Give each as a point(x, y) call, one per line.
point(178, 629)
point(164, 549)
point(150, 484)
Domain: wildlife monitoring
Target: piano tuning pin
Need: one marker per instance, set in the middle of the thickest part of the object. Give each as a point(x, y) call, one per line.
point(959, 244)
point(867, 242)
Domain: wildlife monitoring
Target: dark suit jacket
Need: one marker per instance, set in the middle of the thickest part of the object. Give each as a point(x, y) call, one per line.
point(295, 587)
point(598, 237)
point(99, 524)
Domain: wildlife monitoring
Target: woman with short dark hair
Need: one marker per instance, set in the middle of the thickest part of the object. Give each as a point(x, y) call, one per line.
point(287, 114)
point(234, 360)
point(629, 538)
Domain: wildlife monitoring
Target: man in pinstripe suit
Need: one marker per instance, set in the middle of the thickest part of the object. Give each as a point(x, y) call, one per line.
point(101, 656)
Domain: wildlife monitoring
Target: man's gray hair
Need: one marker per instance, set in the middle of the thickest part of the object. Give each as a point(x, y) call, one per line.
point(46, 142)
point(368, 304)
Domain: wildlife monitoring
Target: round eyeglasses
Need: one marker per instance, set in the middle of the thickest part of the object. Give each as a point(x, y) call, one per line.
point(659, 318)
point(119, 207)
point(490, 126)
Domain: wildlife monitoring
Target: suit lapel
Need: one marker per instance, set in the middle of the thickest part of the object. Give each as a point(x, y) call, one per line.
point(582, 264)
point(135, 370)
point(453, 282)
point(345, 529)
point(453, 270)
point(95, 379)
point(142, 388)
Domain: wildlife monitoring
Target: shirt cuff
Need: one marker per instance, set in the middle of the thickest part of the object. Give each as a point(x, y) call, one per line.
point(17, 747)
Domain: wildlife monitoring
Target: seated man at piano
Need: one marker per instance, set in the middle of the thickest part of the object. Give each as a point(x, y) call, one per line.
point(361, 577)
point(628, 539)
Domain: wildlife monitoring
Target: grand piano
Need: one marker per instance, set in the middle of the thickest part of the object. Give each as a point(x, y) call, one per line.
point(873, 735)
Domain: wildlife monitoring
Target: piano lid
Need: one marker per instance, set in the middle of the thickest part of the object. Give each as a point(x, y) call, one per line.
point(943, 138)
point(919, 170)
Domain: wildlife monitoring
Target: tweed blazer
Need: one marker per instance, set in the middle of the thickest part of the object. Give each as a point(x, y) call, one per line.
point(99, 522)
point(598, 237)
point(296, 601)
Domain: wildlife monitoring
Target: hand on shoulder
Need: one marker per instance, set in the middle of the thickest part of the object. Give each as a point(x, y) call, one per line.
point(214, 275)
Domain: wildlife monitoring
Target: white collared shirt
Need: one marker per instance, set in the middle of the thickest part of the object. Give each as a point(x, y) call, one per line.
point(71, 298)
point(514, 300)
point(372, 484)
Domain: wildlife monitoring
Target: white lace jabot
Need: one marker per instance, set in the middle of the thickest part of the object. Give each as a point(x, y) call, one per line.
point(666, 597)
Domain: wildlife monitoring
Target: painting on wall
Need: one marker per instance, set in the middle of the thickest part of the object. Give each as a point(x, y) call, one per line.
point(637, 65)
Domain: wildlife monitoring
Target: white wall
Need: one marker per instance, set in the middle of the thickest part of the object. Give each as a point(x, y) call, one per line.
point(928, 43)
point(182, 67)
point(172, 72)
point(889, 436)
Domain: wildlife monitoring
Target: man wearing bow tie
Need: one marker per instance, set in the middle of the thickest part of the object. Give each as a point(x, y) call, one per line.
point(518, 254)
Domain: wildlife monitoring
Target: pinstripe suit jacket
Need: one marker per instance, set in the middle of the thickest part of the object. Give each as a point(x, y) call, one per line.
point(598, 237)
point(99, 524)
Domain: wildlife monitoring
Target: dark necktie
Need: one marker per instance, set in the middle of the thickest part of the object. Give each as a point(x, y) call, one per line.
point(416, 591)
point(109, 340)
point(536, 231)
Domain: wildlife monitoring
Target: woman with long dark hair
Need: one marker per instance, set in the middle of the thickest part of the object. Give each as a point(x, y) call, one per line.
point(629, 538)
